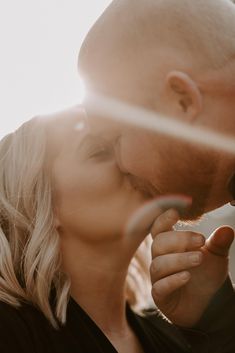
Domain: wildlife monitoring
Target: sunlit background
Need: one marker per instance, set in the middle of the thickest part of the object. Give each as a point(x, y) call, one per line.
point(40, 40)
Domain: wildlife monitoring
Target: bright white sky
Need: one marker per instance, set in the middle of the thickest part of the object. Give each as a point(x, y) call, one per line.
point(40, 40)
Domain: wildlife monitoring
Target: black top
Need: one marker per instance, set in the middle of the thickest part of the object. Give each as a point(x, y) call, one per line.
point(26, 330)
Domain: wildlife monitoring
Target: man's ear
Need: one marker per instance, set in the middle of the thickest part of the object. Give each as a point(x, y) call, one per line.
point(185, 92)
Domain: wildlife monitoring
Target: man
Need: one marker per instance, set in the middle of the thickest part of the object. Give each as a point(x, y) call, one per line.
point(176, 58)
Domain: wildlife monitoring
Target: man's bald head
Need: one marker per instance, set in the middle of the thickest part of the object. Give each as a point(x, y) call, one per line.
point(176, 57)
point(134, 39)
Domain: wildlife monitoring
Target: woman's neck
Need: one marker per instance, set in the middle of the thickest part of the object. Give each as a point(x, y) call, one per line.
point(102, 296)
point(98, 286)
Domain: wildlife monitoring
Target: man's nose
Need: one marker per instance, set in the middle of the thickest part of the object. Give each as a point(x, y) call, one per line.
point(119, 156)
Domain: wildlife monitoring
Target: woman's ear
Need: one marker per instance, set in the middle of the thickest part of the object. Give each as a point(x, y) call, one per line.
point(185, 92)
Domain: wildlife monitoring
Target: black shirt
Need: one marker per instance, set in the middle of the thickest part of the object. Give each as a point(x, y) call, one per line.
point(26, 330)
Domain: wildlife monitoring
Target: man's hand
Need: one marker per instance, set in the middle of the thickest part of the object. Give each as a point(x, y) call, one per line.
point(186, 269)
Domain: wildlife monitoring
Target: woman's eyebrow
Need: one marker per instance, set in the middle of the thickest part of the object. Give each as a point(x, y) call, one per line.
point(90, 134)
point(84, 140)
point(82, 130)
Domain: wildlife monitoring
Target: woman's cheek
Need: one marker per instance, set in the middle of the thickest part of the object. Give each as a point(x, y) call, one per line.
point(101, 179)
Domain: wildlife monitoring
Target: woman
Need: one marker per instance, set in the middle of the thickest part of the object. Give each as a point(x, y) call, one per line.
point(66, 283)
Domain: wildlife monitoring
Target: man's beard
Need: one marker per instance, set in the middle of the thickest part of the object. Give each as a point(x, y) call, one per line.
point(200, 194)
point(199, 197)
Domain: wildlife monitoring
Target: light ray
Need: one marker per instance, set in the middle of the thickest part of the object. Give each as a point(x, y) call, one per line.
point(140, 117)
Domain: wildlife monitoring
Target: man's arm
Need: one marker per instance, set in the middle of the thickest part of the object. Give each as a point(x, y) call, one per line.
point(215, 332)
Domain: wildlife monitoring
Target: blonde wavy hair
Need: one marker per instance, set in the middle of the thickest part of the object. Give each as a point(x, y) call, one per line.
point(30, 261)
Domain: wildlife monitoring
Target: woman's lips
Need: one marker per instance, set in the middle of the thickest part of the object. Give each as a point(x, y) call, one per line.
point(144, 187)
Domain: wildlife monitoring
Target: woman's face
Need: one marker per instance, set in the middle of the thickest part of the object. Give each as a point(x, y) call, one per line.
point(93, 197)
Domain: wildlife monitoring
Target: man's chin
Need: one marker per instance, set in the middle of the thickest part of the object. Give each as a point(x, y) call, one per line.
point(195, 212)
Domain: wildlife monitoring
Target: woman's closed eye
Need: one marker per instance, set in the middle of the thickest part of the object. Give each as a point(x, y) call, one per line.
point(96, 148)
point(101, 152)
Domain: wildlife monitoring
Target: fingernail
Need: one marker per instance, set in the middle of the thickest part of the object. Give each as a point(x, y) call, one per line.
point(195, 259)
point(198, 240)
point(184, 275)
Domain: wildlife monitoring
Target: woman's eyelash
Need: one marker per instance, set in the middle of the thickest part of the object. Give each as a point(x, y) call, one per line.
point(98, 152)
point(101, 151)
point(97, 147)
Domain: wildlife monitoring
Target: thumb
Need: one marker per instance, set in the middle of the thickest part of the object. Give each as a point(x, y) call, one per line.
point(220, 241)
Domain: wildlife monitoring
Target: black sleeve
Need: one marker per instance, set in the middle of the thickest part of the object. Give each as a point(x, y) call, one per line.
point(215, 332)
point(14, 336)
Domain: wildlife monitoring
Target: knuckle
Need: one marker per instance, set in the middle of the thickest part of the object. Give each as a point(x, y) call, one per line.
point(182, 260)
point(160, 222)
point(156, 292)
point(156, 228)
point(154, 269)
point(159, 290)
point(156, 248)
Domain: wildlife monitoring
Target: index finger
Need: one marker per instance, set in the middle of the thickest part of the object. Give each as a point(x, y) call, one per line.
point(165, 222)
